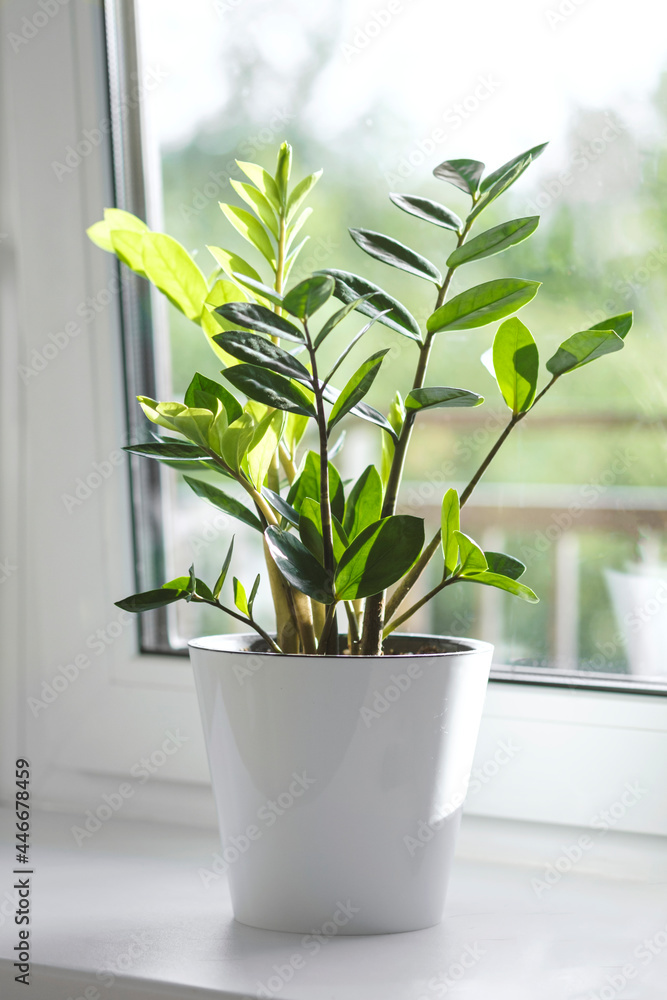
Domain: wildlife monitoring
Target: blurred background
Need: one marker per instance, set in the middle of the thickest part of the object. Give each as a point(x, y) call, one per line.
point(378, 94)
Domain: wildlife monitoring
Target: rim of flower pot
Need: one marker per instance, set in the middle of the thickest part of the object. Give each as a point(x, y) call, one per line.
point(249, 644)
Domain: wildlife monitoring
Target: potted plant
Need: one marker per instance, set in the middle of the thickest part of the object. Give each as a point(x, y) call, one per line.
point(339, 756)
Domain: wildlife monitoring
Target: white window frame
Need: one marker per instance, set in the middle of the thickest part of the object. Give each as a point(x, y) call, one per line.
point(577, 748)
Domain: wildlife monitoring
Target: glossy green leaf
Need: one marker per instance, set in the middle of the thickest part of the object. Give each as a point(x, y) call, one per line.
point(364, 504)
point(472, 558)
point(621, 325)
point(223, 572)
point(429, 211)
point(311, 531)
point(494, 240)
point(114, 218)
point(171, 269)
point(505, 565)
point(263, 180)
point(362, 410)
point(450, 524)
point(261, 320)
point(263, 446)
point(338, 317)
point(295, 428)
point(235, 267)
point(253, 593)
point(341, 357)
point(516, 364)
point(350, 287)
point(229, 505)
point(440, 395)
point(307, 484)
point(463, 174)
point(523, 160)
point(150, 600)
point(176, 451)
point(396, 254)
point(483, 304)
point(395, 420)
point(283, 170)
point(128, 245)
point(251, 230)
point(192, 422)
point(256, 350)
point(504, 583)
point(582, 348)
point(203, 390)
point(236, 441)
point(240, 598)
point(296, 227)
point(259, 202)
point(356, 388)
point(298, 565)
point(300, 192)
point(290, 260)
point(379, 556)
point(280, 505)
point(202, 590)
point(270, 388)
point(309, 295)
point(259, 289)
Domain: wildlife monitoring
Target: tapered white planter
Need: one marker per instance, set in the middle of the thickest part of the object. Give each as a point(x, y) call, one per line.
point(339, 781)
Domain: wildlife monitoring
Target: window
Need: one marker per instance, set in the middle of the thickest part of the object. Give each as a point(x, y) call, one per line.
point(580, 491)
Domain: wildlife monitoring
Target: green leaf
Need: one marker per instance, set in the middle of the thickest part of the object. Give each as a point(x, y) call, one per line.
point(429, 211)
point(295, 428)
point(176, 451)
point(341, 357)
point(263, 446)
point(494, 240)
point(356, 388)
point(283, 170)
point(483, 304)
point(191, 585)
point(582, 348)
point(362, 410)
point(286, 511)
point(396, 419)
point(516, 364)
point(307, 484)
point(256, 350)
point(236, 441)
point(311, 531)
point(224, 502)
point(523, 160)
point(295, 229)
point(290, 260)
point(350, 287)
point(203, 390)
point(128, 245)
point(299, 566)
point(505, 565)
point(114, 218)
point(463, 174)
point(364, 504)
point(192, 422)
point(259, 288)
point(250, 229)
point(253, 593)
point(504, 583)
point(450, 524)
point(473, 559)
point(263, 180)
point(308, 296)
point(619, 324)
point(259, 203)
point(498, 182)
point(337, 318)
point(171, 269)
point(240, 599)
point(270, 388)
point(223, 572)
point(379, 556)
point(261, 320)
point(235, 267)
point(300, 192)
point(439, 395)
point(201, 590)
point(396, 254)
point(150, 600)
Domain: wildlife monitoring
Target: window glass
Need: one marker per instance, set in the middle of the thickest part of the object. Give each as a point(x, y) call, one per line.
point(377, 94)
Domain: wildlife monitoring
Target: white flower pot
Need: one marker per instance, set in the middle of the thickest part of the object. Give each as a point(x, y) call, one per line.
point(339, 781)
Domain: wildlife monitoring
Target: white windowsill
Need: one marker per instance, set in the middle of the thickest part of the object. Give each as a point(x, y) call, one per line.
point(138, 882)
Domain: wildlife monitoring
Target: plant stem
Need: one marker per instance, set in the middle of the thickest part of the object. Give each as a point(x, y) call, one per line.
point(241, 618)
point(415, 607)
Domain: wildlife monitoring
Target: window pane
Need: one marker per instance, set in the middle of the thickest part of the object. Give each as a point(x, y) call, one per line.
point(378, 96)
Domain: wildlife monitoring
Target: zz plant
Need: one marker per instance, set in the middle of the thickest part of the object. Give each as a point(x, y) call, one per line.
point(324, 549)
